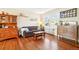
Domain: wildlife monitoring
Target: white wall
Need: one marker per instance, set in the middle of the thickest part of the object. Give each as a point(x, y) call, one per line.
point(26, 21)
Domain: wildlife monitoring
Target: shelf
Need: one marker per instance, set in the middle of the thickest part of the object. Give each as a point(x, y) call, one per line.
point(6, 15)
point(7, 23)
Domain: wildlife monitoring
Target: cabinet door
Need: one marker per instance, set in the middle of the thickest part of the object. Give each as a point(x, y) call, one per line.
point(73, 32)
point(2, 34)
point(11, 33)
point(60, 30)
point(7, 33)
point(14, 19)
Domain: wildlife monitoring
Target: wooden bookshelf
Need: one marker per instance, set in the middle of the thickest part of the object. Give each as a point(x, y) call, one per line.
point(8, 26)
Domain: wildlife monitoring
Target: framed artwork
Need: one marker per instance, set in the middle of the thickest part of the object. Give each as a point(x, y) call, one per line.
point(68, 13)
point(33, 19)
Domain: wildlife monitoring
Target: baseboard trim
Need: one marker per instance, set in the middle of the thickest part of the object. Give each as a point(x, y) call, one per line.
point(49, 34)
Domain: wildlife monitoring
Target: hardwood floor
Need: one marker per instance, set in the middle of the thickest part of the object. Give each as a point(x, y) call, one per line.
point(49, 43)
point(41, 44)
point(10, 44)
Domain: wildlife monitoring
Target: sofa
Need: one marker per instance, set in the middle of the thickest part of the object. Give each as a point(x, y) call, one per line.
point(28, 31)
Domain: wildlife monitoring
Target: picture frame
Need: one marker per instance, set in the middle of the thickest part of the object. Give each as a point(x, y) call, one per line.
point(68, 13)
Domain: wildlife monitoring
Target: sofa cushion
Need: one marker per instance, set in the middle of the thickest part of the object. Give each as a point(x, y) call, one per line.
point(33, 28)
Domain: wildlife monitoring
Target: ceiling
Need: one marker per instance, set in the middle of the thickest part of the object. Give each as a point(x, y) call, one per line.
point(24, 10)
point(38, 10)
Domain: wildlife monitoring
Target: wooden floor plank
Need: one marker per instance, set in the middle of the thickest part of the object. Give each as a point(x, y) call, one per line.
point(47, 43)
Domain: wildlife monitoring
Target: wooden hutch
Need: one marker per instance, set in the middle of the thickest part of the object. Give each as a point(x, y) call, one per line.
point(8, 26)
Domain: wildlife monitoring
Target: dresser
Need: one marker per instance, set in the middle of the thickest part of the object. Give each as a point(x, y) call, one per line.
point(68, 31)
